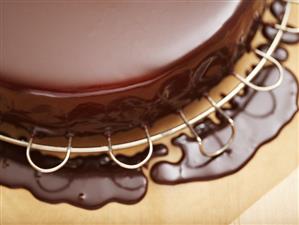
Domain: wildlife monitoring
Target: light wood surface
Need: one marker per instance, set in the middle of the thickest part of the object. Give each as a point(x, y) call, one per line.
point(279, 206)
point(215, 202)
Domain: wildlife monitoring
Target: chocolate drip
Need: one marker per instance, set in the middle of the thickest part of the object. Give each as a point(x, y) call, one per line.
point(86, 182)
point(258, 116)
point(278, 9)
point(270, 32)
point(281, 54)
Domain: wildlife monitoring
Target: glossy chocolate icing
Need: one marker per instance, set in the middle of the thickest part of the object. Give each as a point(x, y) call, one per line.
point(258, 117)
point(139, 95)
point(70, 46)
point(91, 182)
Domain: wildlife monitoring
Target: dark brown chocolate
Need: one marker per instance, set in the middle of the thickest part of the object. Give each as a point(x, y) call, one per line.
point(91, 182)
point(278, 9)
point(269, 31)
point(281, 54)
point(86, 182)
point(127, 105)
point(258, 117)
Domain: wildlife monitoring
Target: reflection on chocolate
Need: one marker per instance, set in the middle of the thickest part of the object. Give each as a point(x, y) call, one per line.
point(86, 182)
point(270, 32)
point(281, 54)
point(258, 116)
point(91, 182)
point(104, 45)
point(277, 9)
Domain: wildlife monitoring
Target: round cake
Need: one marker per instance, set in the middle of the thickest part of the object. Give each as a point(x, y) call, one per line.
point(85, 67)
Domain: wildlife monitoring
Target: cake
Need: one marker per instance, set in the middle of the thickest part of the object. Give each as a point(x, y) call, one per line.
point(88, 67)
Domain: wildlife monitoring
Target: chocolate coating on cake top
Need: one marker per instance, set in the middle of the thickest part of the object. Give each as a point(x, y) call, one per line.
point(66, 45)
point(212, 37)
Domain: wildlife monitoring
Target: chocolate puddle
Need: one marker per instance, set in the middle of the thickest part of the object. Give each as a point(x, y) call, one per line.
point(258, 116)
point(87, 182)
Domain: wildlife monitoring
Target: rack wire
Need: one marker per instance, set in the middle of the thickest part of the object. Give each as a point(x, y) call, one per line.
point(149, 139)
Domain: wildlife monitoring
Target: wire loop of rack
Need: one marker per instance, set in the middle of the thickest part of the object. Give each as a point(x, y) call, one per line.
point(216, 106)
point(201, 146)
point(55, 168)
point(267, 88)
point(140, 164)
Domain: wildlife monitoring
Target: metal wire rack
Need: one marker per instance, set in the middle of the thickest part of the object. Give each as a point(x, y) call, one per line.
point(149, 139)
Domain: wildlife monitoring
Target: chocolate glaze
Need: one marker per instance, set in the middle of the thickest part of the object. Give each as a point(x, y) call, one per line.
point(76, 46)
point(91, 182)
point(86, 182)
point(258, 117)
point(125, 106)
